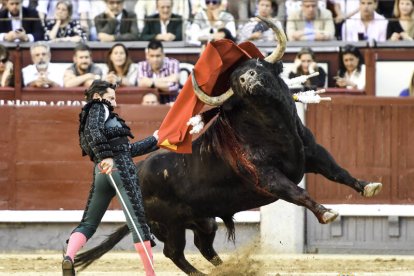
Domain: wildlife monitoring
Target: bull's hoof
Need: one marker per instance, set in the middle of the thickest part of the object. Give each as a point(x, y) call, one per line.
point(68, 268)
point(216, 261)
point(372, 189)
point(328, 216)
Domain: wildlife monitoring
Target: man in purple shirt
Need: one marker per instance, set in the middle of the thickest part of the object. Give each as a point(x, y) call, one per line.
point(159, 71)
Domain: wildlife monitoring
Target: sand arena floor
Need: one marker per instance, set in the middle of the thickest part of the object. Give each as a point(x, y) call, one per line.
point(237, 263)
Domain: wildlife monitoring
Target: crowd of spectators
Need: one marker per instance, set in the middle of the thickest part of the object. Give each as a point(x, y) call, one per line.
point(196, 22)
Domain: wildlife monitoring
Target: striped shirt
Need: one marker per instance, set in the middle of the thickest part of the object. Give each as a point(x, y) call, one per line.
point(169, 66)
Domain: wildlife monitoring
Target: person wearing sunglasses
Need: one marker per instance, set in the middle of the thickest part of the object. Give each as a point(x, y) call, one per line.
point(6, 68)
point(208, 21)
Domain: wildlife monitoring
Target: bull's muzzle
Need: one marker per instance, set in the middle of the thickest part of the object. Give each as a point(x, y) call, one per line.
point(249, 80)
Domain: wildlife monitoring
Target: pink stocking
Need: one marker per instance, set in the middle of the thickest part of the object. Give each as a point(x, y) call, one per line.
point(76, 241)
point(149, 271)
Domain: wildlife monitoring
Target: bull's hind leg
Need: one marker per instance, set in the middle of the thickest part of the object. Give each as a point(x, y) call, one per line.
point(204, 234)
point(281, 187)
point(319, 160)
point(174, 249)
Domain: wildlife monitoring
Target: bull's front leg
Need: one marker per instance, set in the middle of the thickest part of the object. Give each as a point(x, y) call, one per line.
point(174, 249)
point(204, 233)
point(319, 160)
point(281, 187)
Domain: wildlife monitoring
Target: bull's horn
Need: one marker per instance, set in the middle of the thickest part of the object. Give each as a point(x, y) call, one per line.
point(281, 38)
point(214, 101)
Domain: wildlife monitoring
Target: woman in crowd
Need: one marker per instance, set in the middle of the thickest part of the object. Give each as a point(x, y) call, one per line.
point(121, 69)
point(62, 27)
point(208, 21)
point(351, 73)
point(305, 64)
point(6, 68)
point(103, 136)
point(410, 90)
point(401, 27)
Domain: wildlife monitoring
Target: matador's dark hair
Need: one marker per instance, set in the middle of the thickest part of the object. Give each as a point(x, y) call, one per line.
point(98, 86)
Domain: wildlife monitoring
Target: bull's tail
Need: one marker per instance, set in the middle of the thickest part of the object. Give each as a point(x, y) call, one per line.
point(84, 259)
point(229, 223)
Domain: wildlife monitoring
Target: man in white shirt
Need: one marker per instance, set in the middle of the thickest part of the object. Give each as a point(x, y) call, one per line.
point(366, 24)
point(42, 73)
point(310, 23)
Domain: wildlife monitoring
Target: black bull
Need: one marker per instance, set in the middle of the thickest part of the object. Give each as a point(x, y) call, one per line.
point(254, 153)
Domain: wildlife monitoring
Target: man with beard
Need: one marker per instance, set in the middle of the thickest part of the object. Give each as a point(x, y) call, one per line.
point(19, 24)
point(42, 73)
point(83, 71)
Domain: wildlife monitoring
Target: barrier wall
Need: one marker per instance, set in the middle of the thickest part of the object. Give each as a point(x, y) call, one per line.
point(369, 136)
point(41, 167)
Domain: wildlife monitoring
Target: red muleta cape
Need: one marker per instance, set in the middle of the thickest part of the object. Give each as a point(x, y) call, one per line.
point(212, 72)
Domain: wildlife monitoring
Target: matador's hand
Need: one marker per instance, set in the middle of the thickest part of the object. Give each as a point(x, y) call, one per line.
point(106, 165)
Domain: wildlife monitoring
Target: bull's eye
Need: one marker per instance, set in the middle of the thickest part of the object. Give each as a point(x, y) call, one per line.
point(242, 80)
point(251, 73)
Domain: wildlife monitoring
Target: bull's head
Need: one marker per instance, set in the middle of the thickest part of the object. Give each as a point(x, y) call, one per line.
point(248, 79)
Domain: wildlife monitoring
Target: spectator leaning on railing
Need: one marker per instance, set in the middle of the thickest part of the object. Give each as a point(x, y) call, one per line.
point(42, 73)
point(159, 71)
point(401, 27)
point(116, 23)
point(351, 73)
point(14, 27)
point(366, 24)
point(310, 23)
point(305, 64)
point(164, 25)
point(62, 27)
point(83, 71)
point(6, 68)
point(121, 69)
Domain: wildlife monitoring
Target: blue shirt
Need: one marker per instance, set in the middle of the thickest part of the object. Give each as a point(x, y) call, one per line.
point(405, 93)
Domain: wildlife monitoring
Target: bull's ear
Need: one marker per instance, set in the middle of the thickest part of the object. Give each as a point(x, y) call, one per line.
point(276, 68)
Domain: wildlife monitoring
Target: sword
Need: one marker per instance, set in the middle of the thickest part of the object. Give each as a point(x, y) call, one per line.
point(130, 218)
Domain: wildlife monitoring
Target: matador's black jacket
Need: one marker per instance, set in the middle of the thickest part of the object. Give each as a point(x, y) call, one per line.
point(103, 134)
